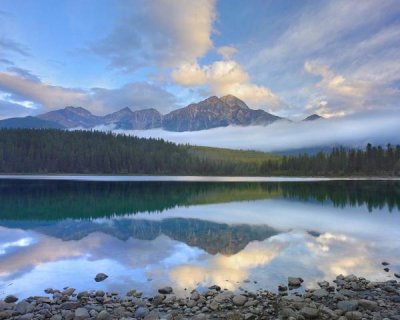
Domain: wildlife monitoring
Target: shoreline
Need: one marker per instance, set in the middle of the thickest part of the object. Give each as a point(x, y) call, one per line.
point(189, 178)
point(345, 298)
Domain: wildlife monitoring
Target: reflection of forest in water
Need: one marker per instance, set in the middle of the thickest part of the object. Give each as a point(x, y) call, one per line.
point(54, 200)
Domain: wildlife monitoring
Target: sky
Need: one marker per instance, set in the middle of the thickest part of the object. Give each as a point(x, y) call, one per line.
point(291, 58)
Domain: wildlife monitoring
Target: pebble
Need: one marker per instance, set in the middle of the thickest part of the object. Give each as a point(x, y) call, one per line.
point(103, 315)
point(141, 312)
point(165, 290)
point(239, 300)
point(100, 293)
point(353, 315)
point(10, 299)
point(348, 305)
point(153, 315)
point(68, 292)
point(368, 304)
point(320, 293)
point(294, 281)
point(24, 307)
point(309, 312)
point(215, 287)
point(100, 277)
point(81, 314)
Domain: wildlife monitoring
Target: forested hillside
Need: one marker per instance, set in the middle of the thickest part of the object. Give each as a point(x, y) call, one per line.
point(92, 152)
point(58, 151)
point(373, 161)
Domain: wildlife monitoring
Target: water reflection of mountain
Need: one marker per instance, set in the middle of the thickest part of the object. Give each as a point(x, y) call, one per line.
point(210, 236)
point(53, 200)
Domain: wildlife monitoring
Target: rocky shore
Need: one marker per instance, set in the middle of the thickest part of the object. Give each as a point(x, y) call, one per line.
point(346, 298)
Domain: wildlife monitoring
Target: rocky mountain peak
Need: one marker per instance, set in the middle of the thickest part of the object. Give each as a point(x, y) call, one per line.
point(71, 117)
point(120, 113)
point(211, 101)
point(313, 117)
point(215, 112)
point(126, 110)
point(78, 110)
point(232, 101)
point(149, 111)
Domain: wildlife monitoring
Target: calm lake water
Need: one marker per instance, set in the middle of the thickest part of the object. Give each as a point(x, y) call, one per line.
point(192, 234)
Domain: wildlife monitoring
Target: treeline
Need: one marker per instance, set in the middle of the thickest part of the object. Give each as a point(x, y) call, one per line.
point(92, 152)
point(374, 160)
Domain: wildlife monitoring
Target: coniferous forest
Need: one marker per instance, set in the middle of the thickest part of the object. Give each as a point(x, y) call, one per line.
point(47, 151)
point(372, 161)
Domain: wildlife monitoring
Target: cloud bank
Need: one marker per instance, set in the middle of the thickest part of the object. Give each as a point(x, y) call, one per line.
point(162, 33)
point(20, 86)
point(355, 130)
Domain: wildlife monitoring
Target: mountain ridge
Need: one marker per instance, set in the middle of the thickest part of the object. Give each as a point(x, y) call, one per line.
point(71, 117)
point(209, 113)
point(29, 122)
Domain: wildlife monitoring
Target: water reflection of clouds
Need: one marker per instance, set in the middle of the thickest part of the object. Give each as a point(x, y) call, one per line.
point(340, 254)
point(5, 247)
point(95, 247)
point(227, 270)
point(37, 249)
point(51, 262)
point(299, 254)
point(344, 241)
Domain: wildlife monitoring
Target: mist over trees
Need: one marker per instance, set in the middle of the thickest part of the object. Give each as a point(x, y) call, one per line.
point(92, 152)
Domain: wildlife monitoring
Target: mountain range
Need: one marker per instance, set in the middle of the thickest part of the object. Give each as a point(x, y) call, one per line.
point(212, 112)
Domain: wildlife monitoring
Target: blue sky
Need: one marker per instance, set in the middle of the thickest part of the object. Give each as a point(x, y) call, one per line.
point(291, 58)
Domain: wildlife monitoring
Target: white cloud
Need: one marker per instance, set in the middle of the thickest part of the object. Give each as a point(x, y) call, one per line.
point(27, 88)
point(161, 33)
point(336, 95)
point(226, 77)
point(320, 27)
point(189, 74)
point(9, 109)
point(335, 82)
point(359, 41)
point(136, 96)
point(23, 89)
point(227, 52)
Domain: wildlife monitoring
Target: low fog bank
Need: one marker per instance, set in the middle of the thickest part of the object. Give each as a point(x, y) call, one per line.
point(355, 130)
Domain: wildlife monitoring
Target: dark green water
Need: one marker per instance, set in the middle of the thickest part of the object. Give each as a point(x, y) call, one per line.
point(57, 200)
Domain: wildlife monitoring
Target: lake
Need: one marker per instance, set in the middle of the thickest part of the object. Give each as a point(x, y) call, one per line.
point(242, 234)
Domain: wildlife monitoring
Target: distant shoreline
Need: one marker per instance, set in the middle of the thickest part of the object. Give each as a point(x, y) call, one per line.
point(172, 178)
